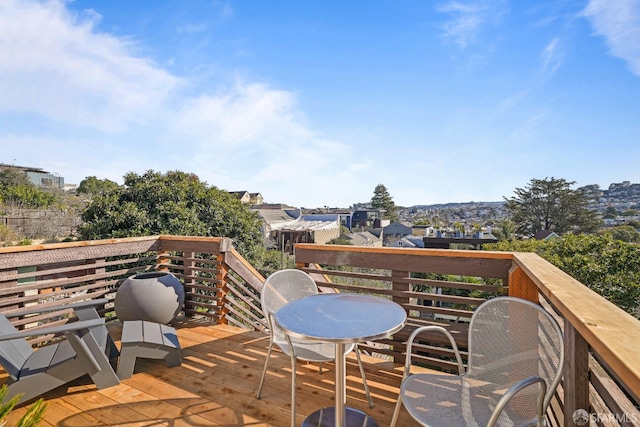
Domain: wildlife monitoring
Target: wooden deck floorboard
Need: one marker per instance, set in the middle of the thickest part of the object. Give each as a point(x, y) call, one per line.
point(216, 386)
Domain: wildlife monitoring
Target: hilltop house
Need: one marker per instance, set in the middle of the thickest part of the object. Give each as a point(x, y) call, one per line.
point(39, 177)
point(248, 198)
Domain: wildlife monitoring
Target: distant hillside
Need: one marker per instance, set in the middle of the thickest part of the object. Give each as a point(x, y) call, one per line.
point(457, 205)
point(620, 195)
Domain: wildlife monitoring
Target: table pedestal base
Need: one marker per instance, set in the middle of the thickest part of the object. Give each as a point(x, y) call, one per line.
point(325, 417)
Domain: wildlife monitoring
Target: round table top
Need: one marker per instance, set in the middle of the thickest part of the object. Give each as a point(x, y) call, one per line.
point(341, 318)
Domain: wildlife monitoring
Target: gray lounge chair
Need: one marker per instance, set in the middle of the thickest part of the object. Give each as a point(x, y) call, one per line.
point(86, 350)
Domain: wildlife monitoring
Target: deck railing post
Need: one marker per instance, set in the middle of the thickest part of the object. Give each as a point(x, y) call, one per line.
point(397, 285)
point(576, 373)
point(521, 285)
point(161, 260)
point(222, 291)
point(92, 271)
point(188, 274)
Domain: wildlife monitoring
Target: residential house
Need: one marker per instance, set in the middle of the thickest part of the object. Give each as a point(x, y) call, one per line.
point(422, 230)
point(243, 196)
point(396, 231)
point(545, 235)
point(363, 238)
point(256, 199)
point(408, 242)
point(39, 177)
point(367, 218)
point(283, 228)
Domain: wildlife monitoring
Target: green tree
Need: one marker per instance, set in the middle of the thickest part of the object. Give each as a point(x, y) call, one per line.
point(17, 190)
point(26, 196)
point(93, 186)
point(625, 233)
point(173, 203)
point(607, 266)
point(504, 230)
point(550, 204)
point(13, 177)
point(382, 200)
point(634, 224)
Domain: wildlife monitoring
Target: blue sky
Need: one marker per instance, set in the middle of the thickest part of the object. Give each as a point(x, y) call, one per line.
point(314, 103)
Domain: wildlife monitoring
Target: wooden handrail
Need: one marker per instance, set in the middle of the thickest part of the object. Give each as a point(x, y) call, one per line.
point(611, 332)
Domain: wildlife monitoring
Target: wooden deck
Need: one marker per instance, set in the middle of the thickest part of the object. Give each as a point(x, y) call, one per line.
point(216, 386)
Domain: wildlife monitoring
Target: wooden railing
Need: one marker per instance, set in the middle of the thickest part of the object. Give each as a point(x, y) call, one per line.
point(602, 342)
point(602, 373)
point(218, 282)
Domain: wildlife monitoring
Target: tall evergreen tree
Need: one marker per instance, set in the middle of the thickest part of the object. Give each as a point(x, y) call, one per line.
point(382, 200)
point(550, 204)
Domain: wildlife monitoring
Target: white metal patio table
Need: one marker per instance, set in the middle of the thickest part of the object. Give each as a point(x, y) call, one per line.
point(341, 319)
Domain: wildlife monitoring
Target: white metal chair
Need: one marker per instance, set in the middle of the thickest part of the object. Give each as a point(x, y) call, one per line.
point(280, 288)
point(515, 363)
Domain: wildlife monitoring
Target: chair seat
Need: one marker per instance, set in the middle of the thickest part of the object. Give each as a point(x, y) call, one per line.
point(312, 351)
point(48, 357)
point(461, 401)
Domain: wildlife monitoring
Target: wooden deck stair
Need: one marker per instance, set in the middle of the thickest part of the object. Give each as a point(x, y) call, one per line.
point(216, 386)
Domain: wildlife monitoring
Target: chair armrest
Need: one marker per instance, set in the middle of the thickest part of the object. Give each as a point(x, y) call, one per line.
point(422, 329)
point(73, 305)
point(67, 327)
point(516, 388)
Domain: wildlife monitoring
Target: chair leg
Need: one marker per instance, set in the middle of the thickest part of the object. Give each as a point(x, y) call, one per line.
point(293, 389)
point(364, 377)
point(396, 412)
point(264, 371)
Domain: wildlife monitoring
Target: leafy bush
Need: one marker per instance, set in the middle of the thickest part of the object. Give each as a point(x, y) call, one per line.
point(175, 203)
point(607, 266)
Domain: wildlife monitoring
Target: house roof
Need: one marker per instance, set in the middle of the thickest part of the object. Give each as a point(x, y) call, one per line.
point(320, 217)
point(239, 194)
point(301, 224)
point(273, 216)
point(408, 242)
point(363, 238)
point(544, 235)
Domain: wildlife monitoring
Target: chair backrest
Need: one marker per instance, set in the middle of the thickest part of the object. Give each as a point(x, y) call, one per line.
point(282, 287)
point(13, 353)
point(511, 339)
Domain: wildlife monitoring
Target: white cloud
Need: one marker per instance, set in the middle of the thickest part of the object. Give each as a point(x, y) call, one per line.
point(470, 18)
point(57, 66)
point(88, 103)
point(619, 23)
point(255, 137)
point(551, 57)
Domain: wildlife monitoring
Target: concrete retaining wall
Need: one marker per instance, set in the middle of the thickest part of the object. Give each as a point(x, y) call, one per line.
point(41, 224)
